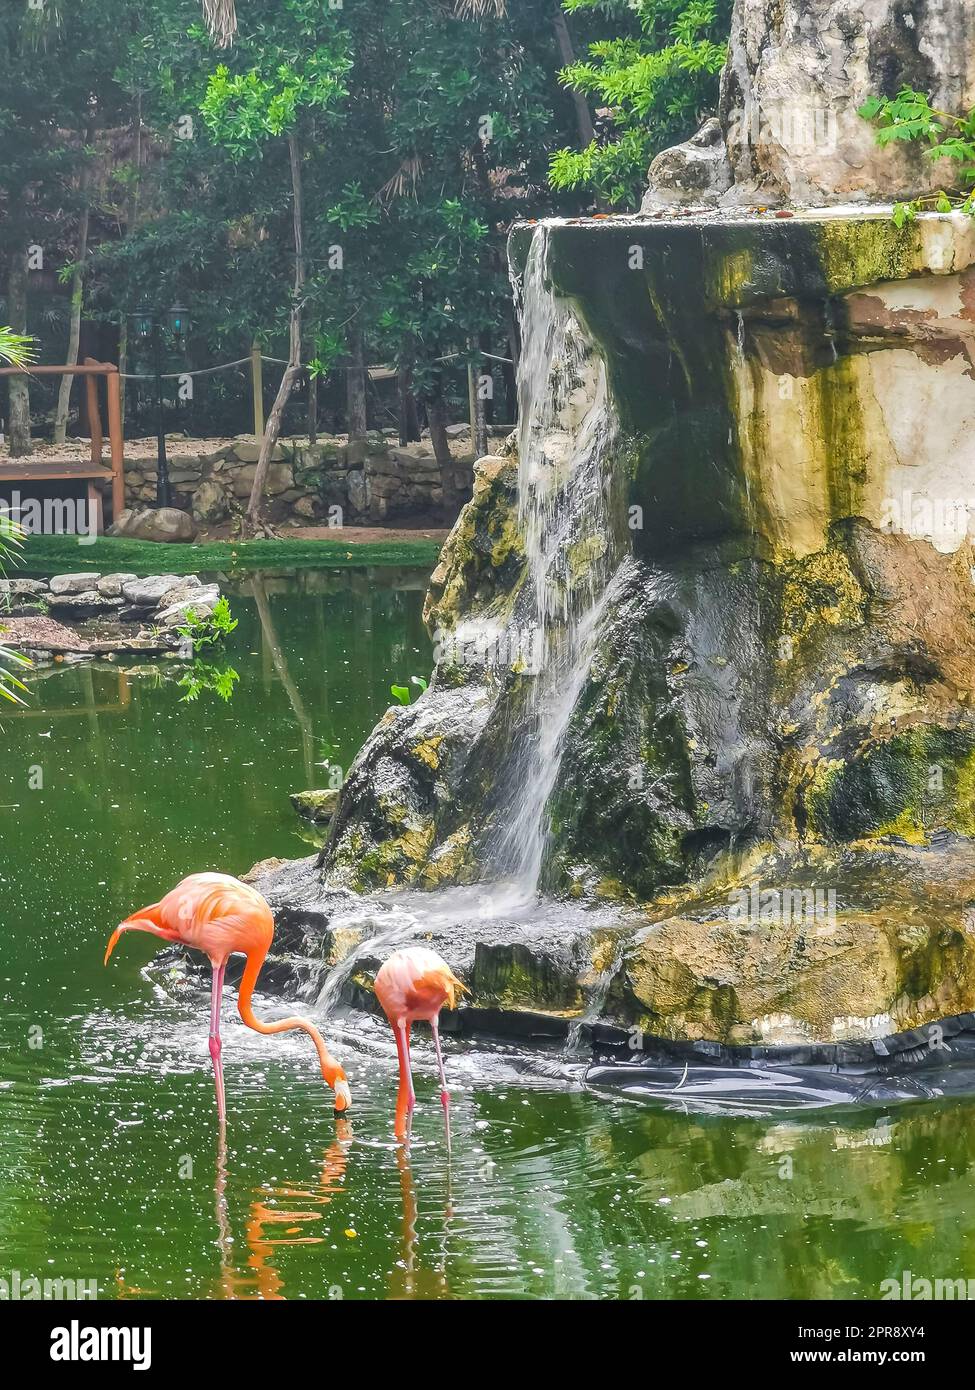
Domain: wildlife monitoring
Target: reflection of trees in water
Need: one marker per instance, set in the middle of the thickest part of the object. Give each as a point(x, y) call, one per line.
point(272, 644)
point(818, 1207)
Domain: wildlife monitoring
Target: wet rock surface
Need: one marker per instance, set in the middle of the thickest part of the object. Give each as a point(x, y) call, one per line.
point(534, 973)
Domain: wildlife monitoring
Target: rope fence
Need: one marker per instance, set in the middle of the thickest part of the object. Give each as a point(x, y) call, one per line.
point(283, 362)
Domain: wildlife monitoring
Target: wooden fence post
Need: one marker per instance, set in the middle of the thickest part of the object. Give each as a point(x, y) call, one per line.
point(257, 386)
point(94, 413)
point(114, 384)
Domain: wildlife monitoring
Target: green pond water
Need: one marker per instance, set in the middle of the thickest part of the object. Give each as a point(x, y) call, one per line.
point(110, 1164)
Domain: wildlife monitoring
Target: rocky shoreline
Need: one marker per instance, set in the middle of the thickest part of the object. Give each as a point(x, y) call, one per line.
point(654, 987)
point(76, 617)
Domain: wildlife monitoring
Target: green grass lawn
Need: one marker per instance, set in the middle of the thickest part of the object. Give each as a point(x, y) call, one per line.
point(52, 554)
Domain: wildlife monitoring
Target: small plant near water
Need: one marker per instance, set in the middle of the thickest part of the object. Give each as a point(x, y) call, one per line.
point(206, 630)
point(910, 116)
point(205, 676)
point(200, 632)
point(401, 693)
point(11, 539)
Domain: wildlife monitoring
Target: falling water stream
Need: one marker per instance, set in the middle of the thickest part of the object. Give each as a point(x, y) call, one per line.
point(566, 434)
point(567, 518)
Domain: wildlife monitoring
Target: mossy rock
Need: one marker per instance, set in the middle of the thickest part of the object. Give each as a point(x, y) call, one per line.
point(315, 805)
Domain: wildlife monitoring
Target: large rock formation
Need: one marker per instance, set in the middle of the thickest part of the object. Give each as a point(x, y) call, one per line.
point(706, 632)
point(797, 71)
point(778, 707)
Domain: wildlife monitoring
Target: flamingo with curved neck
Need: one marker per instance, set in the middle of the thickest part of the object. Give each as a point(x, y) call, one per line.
point(221, 917)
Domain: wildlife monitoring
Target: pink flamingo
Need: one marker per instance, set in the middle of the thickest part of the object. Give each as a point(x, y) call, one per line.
point(415, 984)
point(221, 916)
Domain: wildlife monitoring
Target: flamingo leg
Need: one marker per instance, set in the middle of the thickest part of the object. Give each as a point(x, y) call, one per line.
point(444, 1093)
point(216, 1047)
point(406, 1100)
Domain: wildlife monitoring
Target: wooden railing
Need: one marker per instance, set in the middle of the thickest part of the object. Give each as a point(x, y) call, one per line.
point(91, 370)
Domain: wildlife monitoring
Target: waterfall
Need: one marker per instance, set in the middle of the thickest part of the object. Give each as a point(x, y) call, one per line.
point(568, 516)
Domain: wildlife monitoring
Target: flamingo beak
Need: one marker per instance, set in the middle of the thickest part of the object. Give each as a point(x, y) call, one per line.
point(343, 1096)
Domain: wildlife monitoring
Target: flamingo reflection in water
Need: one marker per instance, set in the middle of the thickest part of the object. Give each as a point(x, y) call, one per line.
point(269, 1226)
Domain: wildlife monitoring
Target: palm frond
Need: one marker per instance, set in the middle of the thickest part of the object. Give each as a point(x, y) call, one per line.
point(16, 348)
point(404, 181)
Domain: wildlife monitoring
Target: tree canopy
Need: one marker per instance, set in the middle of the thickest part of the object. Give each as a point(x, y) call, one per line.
point(346, 171)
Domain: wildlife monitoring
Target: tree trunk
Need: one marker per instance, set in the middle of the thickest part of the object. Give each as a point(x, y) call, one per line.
point(292, 371)
point(132, 219)
point(478, 417)
point(409, 421)
point(437, 417)
point(74, 326)
point(356, 384)
point(567, 55)
point(20, 441)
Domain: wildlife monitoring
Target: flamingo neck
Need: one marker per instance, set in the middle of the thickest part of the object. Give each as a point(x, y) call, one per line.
point(331, 1071)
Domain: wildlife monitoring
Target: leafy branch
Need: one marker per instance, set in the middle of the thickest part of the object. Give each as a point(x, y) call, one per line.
point(910, 116)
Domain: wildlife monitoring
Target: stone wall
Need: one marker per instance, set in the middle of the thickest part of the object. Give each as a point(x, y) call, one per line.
point(372, 481)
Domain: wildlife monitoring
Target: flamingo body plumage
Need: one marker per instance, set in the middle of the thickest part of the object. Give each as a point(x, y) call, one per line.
point(412, 986)
point(221, 916)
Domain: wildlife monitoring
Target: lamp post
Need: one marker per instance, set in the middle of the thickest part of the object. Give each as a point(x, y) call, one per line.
point(149, 325)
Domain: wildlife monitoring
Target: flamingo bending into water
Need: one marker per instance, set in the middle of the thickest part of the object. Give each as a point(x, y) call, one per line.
point(221, 916)
point(415, 984)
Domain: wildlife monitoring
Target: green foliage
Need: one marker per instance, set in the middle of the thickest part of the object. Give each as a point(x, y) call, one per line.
point(204, 676)
point(242, 109)
point(910, 116)
point(206, 630)
point(11, 689)
point(18, 349)
point(658, 79)
point(401, 693)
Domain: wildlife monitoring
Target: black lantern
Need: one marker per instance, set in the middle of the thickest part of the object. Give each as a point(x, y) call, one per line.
point(178, 322)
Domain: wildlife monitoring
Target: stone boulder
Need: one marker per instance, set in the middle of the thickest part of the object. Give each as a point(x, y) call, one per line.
point(164, 524)
point(315, 805)
point(210, 502)
point(148, 591)
point(22, 588)
point(696, 172)
point(798, 71)
point(74, 583)
point(201, 604)
point(190, 586)
point(110, 585)
point(87, 604)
